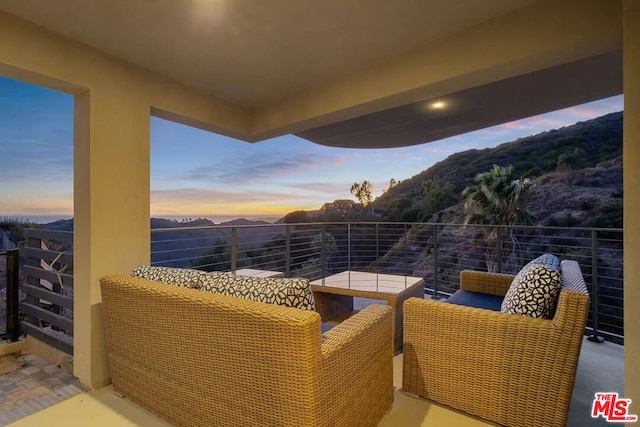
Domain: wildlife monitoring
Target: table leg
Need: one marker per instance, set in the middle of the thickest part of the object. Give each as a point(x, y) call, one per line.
point(332, 306)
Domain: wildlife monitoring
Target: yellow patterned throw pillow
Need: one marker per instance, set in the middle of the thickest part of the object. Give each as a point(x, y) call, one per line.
point(535, 290)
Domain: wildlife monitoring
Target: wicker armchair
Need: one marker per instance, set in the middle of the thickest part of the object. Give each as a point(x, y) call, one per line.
point(514, 370)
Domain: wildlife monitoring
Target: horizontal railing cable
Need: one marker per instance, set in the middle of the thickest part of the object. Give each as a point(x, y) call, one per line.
point(435, 251)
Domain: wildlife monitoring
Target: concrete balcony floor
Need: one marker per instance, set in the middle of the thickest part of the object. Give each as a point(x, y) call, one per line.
point(600, 369)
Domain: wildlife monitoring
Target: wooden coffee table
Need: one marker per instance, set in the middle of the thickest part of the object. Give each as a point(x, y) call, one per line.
point(334, 295)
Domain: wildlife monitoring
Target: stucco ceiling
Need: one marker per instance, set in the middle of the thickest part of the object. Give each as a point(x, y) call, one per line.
point(289, 59)
point(253, 52)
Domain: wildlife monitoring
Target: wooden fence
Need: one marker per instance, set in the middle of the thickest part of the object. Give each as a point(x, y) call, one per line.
point(48, 305)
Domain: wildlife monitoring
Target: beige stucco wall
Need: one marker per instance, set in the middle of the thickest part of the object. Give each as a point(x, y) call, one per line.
point(111, 209)
point(112, 107)
point(631, 167)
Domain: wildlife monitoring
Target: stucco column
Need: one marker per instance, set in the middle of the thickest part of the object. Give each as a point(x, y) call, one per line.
point(631, 168)
point(111, 210)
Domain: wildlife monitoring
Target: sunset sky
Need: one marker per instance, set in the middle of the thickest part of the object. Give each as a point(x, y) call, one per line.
point(200, 174)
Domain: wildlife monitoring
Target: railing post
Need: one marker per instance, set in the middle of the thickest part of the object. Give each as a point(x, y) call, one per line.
point(377, 248)
point(435, 295)
point(323, 254)
point(287, 251)
point(349, 246)
point(499, 250)
point(406, 246)
point(594, 288)
point(234, 249)
point(13, 319)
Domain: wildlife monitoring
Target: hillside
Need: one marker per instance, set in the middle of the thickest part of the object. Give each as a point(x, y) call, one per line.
point(565, 158)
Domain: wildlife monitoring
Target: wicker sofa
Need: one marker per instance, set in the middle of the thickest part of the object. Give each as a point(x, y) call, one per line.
point(197, 358)
point(511, 369)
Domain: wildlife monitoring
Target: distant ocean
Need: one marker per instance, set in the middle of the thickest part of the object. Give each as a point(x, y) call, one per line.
point(46, 219)
point(222, 218)
point(37, 219)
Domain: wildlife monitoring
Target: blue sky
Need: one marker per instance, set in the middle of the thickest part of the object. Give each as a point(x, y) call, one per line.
point(200, 174)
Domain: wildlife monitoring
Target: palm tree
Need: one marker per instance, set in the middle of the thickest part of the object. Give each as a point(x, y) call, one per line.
point(362, 191)
point(499, 199)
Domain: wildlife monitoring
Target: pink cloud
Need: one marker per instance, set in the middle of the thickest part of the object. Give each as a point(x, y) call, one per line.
point(497, 131)
point(321, 187)
point(581, 112)
point(536, 123)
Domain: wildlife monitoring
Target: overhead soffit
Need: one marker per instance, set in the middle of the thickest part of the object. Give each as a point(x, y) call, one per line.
point(254, 52)
point(479, 107)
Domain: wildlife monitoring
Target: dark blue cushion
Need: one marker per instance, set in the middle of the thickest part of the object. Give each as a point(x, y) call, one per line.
point(325, 327)
point(476, 299)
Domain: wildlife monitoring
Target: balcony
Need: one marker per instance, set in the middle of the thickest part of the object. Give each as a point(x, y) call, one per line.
point(501, 55)
point(436, 252)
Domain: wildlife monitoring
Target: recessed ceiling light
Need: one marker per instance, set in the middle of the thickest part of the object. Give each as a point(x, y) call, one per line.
point(437, 105)
point(207, 12)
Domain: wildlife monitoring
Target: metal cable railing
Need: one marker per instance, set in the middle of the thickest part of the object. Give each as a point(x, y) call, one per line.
point(435, 251)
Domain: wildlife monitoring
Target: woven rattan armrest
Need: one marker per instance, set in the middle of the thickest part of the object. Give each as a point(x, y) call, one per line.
point(373, 323)
point(486, 283)
point(357, 368)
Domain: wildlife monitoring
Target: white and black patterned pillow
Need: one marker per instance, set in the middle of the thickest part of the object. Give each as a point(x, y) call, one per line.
point(547, 260)
point(535, 290)
point(293, 292)
point(212, 281)
point(571, 278)
point(172, 276)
